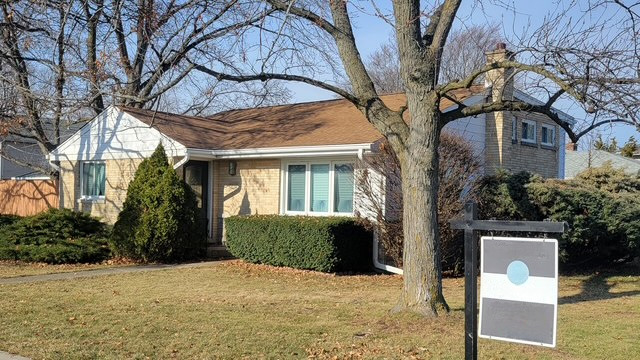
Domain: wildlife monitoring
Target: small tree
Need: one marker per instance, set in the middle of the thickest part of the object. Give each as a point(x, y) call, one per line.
point(159, 220)
point(459, 169)
point(609, 146)
point(630, 148)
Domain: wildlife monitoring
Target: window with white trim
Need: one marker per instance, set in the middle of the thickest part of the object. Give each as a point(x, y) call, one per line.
point(93, 179)
point(528, 131)
point(514, 129)
point(319, 188)
point(548, 135)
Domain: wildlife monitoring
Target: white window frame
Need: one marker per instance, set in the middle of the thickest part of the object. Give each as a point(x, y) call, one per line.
point(553, 135)
point(84, 197)
point(307, 189)
point(514, 129)
point(535, 132)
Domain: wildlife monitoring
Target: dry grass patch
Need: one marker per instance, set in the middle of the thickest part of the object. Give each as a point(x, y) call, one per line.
point(236, 310)
point(10, 269)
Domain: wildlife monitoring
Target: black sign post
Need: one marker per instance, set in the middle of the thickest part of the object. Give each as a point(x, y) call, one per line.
point(471, 225)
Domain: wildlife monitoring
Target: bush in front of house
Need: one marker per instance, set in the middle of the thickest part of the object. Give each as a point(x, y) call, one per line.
point(56, 237)
point(160, 220)
point(325, 244)
point(601, 206)
point(8, 219)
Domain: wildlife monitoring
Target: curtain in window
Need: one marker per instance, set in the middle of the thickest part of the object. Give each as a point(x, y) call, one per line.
point(296, 188)
point(320, 187)
point(93, 179)
point(100, 179)
point(343, 188)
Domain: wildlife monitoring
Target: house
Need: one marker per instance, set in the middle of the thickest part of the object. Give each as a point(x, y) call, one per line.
point(579, 161)
point(291, 159)
point(15, 154)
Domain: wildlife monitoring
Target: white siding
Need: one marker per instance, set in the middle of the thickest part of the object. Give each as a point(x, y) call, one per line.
point(115, 134)
point(562, 149)
point(472, 129)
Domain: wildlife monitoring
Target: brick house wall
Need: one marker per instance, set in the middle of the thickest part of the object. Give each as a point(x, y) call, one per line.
point(119, 174)
point(255, 189)
point(503, 152)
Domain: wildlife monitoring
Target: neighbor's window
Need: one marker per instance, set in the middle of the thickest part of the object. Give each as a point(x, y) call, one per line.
point(93, 179)
point(548, 135)
point(320, 188)
point(528, 131)
point(514, 129)
point(296, 187)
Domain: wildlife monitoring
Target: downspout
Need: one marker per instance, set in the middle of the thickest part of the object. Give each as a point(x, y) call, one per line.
point(182, 161)
point(56, 167)
point(377, 264)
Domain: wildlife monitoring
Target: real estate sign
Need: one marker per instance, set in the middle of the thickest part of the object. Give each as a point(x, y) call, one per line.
point(519, 290)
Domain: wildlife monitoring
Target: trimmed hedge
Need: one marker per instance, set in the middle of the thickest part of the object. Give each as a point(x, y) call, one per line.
point(55, 237)
point(325, 244)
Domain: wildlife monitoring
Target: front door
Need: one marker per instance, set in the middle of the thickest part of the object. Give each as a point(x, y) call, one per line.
point(196, 174)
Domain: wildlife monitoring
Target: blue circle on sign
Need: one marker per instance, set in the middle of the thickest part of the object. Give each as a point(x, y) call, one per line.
point(518, 272)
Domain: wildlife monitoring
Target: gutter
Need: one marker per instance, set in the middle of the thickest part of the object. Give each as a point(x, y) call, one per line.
point(283, 152)
point(182, 161)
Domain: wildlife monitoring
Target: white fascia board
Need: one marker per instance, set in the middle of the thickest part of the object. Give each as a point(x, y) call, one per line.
point(519, 94)
point(281, 152)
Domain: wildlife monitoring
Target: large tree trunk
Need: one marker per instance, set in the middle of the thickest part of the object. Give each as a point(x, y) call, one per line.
point(422, 290)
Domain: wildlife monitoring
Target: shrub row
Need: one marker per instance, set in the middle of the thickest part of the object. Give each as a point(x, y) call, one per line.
point(602, 207)
point(55, 237)
point(315, 243)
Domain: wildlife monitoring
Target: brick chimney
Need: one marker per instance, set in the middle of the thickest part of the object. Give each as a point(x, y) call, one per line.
point(500, 80)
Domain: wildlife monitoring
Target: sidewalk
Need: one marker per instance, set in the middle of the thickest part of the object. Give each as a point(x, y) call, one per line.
point(101, 272)
point(7, 356)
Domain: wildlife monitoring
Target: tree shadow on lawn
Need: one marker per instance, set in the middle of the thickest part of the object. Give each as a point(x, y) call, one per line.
point(596, 287)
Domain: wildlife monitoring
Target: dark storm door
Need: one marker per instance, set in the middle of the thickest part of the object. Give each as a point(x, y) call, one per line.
point(196, 174)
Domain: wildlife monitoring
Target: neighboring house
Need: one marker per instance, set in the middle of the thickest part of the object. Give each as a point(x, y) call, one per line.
point(14, 155)
point(579, 161)
point(290, 159)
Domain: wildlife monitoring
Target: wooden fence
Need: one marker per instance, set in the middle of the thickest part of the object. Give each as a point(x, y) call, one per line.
point(27, 197)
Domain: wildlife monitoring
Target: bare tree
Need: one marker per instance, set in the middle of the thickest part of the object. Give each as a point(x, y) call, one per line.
point(65, 60)
point(458, 173)
point(463, 53)
point(596, 68)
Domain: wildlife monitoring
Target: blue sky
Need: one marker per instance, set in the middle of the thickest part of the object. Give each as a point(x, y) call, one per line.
point(371, 31)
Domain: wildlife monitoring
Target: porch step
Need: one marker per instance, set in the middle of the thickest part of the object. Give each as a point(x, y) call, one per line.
point(218, 251)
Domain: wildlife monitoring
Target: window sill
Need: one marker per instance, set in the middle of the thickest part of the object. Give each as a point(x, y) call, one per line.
point(99, 200)
point(548, 147)
point(529, 143)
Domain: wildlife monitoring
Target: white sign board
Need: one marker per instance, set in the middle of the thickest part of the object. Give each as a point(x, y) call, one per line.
point(519, 290)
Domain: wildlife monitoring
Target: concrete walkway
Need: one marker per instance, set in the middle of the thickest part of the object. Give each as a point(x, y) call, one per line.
point(101, 272)
point(7, 356)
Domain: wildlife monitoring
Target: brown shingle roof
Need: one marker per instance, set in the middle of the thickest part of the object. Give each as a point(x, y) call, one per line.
point(331, 122)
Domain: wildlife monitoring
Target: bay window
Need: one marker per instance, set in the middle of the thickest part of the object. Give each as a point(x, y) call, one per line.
point(529, 131)
point(319, 188)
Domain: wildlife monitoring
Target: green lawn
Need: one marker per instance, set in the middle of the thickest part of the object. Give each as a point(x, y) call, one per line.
point(236, 310)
